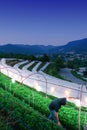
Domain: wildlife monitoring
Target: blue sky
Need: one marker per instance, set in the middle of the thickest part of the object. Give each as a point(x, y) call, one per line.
point(47, 22)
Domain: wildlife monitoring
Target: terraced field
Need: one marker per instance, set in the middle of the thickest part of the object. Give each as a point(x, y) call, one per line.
point(27, 109)
point(22, 107)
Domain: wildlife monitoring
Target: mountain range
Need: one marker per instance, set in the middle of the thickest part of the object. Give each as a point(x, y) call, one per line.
point(76, 47)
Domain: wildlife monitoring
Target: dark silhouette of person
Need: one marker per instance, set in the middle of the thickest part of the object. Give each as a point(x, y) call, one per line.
point(54, 107)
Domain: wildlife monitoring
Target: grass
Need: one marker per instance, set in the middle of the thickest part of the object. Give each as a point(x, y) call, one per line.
point(41, 65)
point(32, 66)
point(22, 65)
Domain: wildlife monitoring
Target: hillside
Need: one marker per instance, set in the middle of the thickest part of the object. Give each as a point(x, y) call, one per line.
point(25, 49)
point(78, 46)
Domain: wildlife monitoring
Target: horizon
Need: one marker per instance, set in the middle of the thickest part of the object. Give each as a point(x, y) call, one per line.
point(46, 22)
point(41, 44)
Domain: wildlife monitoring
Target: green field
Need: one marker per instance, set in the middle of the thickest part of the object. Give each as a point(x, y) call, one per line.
point(29, 108)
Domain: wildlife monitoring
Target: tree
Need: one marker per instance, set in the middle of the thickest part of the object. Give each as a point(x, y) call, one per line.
point(45, 58)
point(85, 73)
point(59, 62)
point(73, 64)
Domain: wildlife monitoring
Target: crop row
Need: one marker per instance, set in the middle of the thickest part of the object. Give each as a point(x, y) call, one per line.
point(68, 116)
point(4, 125)
point(26, 94)
point(21, 113)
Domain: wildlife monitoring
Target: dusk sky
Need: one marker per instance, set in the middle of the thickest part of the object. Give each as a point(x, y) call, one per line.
point(47, 22)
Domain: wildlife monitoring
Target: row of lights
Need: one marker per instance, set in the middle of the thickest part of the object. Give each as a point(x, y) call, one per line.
point(67, 93)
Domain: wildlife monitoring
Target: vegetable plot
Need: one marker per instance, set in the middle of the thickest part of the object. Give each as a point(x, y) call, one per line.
point(68, 115)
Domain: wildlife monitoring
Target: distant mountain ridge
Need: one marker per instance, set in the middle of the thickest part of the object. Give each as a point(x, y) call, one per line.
point(78, 46)
point(25, 49)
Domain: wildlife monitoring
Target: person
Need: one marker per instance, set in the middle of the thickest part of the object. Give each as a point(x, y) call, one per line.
point(54, 107)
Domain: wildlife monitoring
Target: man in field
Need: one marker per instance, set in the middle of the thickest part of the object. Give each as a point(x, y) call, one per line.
point(54, 107)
